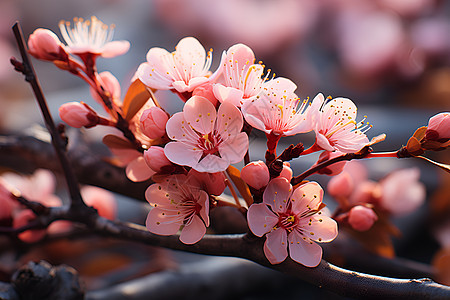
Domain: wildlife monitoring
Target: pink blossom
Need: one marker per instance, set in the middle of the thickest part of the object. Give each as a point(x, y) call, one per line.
point(155, 158)
point(177, 203)
point(340, 185)
point(335, 125)
point(287, 172)
point(212, 183)
point(111, 85)
point(292, 220)
point(153, 122)
point(183, 70)
point(204, 139)
point(278, 110)
point(137, 170)
point(256, 174)
point(361, 218)
point(243, 79)
point(102, 200)
point(91, 37)
point(401, 191)
point(44, 44)
point(439, 127)
point(78, 115)
point(333, 169)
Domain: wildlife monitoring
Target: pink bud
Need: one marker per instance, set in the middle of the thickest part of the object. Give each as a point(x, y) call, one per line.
point(340, 185)
point(333, 169)
point(155, 158)
point(361, 218)
point(111, 85)
point(256, 174)
point(102, 200)
point(77, 115)
point(287, 171)
point(153, 122)
point(44, 44)
point(439, 127)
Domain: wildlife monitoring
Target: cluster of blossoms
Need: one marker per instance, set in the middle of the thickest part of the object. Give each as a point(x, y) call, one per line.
point(189, 154)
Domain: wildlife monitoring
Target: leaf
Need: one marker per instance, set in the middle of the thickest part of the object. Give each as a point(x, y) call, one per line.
point(115, 142)
point(414, 147)
point(420, 133)
point(242, 187)
point(136, 96)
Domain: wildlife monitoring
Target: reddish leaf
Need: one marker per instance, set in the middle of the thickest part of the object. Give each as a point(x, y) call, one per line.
point(115, 142)
point(414, 147)
point(136, 96)
point(420, 133)
point(242, 187)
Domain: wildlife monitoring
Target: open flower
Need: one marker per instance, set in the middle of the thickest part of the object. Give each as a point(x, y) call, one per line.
point(243, 79)
point(292, 219)
point(335, 125)
point(91, 37)
point(183, 70)
point(206, 140)
point(278, 110)
point(178, 203)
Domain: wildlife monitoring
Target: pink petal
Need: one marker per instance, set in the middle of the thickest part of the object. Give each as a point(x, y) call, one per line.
point(196, 82)
point(277, 194)
point(156, 196)
point(281, 86)
point(324, 228)
point(254, 112)
point(180, 86)
point(182, 154)
point(323, 142)
point(156, 79)
point(229, 120)
point(275, 247)
point(228, 94)
point(306, 197)
point(211, 164)
point(261, 219)
point(159, 223)
point(194, 231)
point(204, 211)
point(234, 149)
point(241, 55)
point(177, 128)
point(303, 251)
point(138, 170)
point(200, 114)
point(115, 48)
point(190, 52)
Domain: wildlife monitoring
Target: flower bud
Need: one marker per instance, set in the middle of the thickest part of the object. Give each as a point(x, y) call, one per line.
point(77, 115)
point(153, 122)
point(439, 127)
point(333, 169)
point(361, 218)
point(155, 158)
point(44, 44)
point(340, 185)
point(256, 174)
point(287, 171)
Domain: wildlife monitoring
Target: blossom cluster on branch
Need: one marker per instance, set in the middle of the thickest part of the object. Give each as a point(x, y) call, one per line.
point(189, 155)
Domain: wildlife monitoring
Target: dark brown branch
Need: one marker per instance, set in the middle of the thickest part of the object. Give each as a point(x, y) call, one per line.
point(27, 69)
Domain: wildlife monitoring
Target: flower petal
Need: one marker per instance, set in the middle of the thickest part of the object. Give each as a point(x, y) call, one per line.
point(194, 231)
point(182, 154)
point(306, 197)
point(275, 247)
point(204, 211)
point(229, 120)
point(304, 251)
point(159, 223)
point(191, 53)
point(228, 94)
point(212, 164)
point(200, 114)
point(156, 79)
point(261, 219)
point(277, 194)
point(234, 149)
point(323, 142)
point(138, 170)
point(115, 48)
point(320, 228)
point(177, 128)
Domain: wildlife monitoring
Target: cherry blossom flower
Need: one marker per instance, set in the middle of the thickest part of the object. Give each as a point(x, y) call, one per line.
point(243, 79)
point(183, 70)
point(78, 115)
point(91, 37)
point(361, 218)
point(153, 122)
point(278, 110)
point(178, 203)
point(335, 125)
point(292, 220)
point(256, 174)
point(44, 44)
point(206, 140)
point(155, 158)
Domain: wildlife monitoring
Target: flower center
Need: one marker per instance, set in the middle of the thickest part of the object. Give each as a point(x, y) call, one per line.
point(287, 221)
point(209, 143)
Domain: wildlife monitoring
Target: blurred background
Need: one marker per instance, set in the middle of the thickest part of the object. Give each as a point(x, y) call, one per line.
point(391, 57)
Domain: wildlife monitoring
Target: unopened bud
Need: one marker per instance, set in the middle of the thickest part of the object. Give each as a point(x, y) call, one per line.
point(361, 218)
point(77, 115)
point(256, 174)
point(153, 122)
point(287, 171)
point(340, 185)
point(439, 127)
point(44, 44)
point(155, 158)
